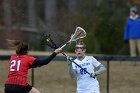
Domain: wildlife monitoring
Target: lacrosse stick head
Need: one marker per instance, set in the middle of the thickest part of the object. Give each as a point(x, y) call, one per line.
point(46, 40)
point(78, 34)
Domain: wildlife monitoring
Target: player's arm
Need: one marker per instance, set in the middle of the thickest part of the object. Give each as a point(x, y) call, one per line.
point(41, 62)
point(71, 71)
point(100, 69)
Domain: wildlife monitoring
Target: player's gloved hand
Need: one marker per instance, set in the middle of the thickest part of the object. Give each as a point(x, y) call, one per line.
point(92, 75)
point(69, 59)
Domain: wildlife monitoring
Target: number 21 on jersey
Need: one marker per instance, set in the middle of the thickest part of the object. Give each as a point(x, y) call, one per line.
point(15, 65)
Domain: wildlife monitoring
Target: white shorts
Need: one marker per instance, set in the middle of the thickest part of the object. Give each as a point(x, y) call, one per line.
point(95, 90)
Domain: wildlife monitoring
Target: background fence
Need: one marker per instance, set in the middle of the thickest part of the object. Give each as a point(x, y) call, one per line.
point(122, 75)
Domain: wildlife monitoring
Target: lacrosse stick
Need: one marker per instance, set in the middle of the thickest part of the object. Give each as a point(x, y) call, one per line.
point(46, 40)
point(79, 33)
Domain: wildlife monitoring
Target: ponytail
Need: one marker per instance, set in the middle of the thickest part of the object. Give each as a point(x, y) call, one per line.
point(21, 47)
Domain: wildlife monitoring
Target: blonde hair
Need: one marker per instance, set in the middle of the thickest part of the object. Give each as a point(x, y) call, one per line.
point(81, 42)
point(21, 47)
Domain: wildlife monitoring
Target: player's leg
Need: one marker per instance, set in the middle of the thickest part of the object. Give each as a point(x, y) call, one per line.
point(138, 46)
point(34, 90)
point(132, 45)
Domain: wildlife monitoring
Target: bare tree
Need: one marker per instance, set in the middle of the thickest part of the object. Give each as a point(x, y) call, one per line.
point(72, 5)
point(31, 13)
point(98, 2)
point(50, 18)
point(50, 10)
point(7, 13)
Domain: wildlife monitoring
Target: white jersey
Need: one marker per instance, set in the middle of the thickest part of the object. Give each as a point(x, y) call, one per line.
point(84, 81)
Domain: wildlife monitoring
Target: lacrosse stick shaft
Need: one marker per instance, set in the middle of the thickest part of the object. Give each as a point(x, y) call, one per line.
point(65, 45)
point(64, 54)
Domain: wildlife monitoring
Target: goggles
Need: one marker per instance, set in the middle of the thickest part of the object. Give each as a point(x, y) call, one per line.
point(79, 47)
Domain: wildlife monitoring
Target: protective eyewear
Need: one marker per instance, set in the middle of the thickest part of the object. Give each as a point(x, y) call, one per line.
point(79, 48)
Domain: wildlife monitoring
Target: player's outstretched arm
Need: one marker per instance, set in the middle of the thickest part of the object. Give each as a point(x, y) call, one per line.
point(45, 61)
point(71, 71)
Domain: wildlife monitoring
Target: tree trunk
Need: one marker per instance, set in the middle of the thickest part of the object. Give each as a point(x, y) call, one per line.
point(98, 2)
point(50, 18)
point(72, 5)
point(7, 13)
point(31, 13)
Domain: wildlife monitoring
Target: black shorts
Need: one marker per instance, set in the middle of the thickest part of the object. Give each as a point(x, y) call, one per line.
point(12, 88)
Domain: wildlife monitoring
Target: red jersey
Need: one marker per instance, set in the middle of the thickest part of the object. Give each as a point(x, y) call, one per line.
point(18, 69)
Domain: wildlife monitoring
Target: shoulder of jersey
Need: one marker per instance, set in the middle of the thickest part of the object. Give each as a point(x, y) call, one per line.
point(89, 57)
point(75, 59)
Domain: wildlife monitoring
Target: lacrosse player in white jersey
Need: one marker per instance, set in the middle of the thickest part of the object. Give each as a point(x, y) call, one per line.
point(86, 83)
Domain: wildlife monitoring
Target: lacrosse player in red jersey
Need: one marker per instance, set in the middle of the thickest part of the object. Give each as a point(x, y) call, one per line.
point(85, 82)
point(19, 65)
